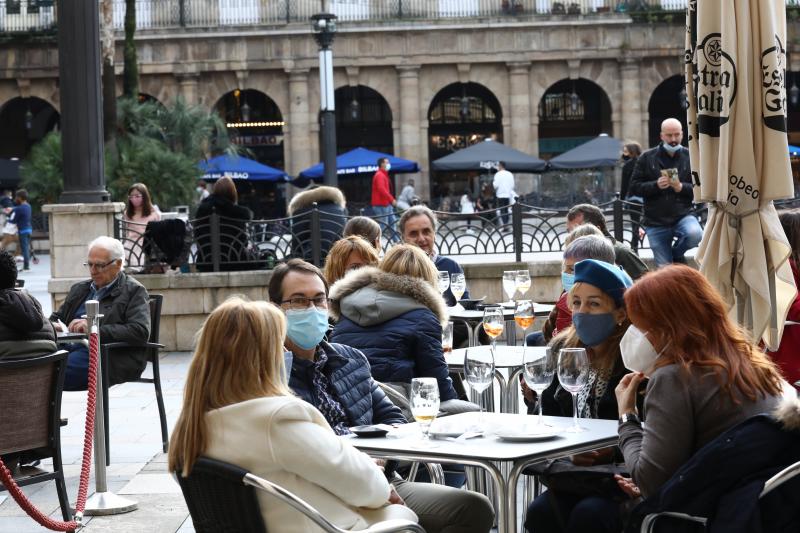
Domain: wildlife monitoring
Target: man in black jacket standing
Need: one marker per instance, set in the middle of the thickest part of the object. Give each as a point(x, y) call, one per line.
point(125, 309)
point(662, 177)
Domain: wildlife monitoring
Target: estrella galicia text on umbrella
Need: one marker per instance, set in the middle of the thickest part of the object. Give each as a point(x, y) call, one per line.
point(773, 83)
point(714, 79)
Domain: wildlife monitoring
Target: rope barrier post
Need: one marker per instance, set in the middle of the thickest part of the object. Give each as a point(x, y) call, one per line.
point(103, 501)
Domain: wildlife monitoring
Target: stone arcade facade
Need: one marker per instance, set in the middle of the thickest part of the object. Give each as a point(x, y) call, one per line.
point(407, 63)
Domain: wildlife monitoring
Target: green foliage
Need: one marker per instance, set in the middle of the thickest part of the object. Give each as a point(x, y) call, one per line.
point(42, 173)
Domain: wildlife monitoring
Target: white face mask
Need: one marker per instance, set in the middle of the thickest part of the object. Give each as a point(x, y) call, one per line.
point(638, 353)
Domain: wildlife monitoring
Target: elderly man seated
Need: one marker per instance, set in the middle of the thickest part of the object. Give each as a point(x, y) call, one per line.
point(125, 310)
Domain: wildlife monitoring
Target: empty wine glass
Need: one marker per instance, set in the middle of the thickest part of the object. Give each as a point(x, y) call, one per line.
point(510, 283)
point(458, 285)
point(424, 403)
point(573, 371)
point(539, 371)
point(479, 372)
point(523, 316)
point(522, 281)
point(444, 281)
point(493, 323)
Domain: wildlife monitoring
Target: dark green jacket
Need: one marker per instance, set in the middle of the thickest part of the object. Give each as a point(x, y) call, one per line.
point(126, 318)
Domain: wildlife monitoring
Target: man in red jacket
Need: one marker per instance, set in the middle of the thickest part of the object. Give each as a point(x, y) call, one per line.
point(382, 200)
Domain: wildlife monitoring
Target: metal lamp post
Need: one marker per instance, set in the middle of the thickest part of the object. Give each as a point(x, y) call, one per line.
point(324, 27)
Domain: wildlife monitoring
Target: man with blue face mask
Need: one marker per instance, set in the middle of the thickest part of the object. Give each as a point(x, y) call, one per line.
point(336, 379)
point(662, 177)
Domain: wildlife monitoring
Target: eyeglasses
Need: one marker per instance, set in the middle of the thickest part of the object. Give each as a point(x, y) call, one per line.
point(98, 266)
point(134, 196)
point(301, 302)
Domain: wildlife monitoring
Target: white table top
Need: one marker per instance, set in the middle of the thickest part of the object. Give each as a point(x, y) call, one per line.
point(504, 356)
point(408, 439)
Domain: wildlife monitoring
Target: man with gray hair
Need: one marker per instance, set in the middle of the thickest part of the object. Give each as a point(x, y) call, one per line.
point(125, 309)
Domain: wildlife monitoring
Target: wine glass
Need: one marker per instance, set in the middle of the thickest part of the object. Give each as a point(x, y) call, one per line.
point(573, 371)
point(522, 281)
point(538, 374)
point(447, 338)
point(424, 404)
point(458, 285)
point(493, 323)
point(510, 283)
point(444, 281)
point(479, 372)
point(523, 316)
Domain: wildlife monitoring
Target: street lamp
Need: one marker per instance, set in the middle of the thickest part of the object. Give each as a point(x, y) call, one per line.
point(324, 28)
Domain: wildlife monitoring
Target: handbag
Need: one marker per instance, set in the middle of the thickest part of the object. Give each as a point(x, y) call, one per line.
point(562, 476)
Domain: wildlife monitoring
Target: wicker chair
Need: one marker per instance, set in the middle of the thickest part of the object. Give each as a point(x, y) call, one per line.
point(221, 497)
point(30, 396)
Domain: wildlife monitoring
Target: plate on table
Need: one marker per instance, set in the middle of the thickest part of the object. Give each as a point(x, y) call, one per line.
point(369, 432)
point(443, 430)
point(528, 435)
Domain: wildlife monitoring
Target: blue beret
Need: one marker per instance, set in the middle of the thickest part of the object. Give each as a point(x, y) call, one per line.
point(609, 278)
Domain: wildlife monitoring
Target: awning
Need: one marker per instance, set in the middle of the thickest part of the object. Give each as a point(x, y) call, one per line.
point(740, 164)
point(360, 161)
point(239, 168)
point(485, 156)
point(602, 151)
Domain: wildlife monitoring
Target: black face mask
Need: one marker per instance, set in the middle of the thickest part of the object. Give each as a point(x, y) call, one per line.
point(626, 158)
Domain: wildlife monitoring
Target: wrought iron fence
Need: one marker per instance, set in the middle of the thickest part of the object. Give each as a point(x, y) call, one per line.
point(40, 15)
point(215, 243)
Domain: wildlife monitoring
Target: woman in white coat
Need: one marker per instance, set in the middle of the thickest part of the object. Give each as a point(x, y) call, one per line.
point(238, 408)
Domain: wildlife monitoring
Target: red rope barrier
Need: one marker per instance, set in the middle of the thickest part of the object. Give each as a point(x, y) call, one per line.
point(80, 504)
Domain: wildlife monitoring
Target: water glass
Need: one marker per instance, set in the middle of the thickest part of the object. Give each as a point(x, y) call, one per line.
point(522, 281)
point(539, 371)
point(458, 285)
point(447, 338)
point(510, 283)
point(479, 372)
point(573, 373)
point(444, 281)
point(424, 403)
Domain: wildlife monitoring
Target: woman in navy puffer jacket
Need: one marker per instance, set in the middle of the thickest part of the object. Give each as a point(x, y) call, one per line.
point(394, 314)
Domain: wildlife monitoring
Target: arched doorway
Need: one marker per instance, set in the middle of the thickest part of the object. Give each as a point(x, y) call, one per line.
point(460, 115)
point(25, 122)
point(667, 101)
point(572, 112)
point(255, 122)
point(363, 118)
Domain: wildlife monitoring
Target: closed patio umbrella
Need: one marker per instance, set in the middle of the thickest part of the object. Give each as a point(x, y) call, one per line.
point(736, 65)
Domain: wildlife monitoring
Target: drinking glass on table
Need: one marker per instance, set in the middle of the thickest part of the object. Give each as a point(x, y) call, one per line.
point(479, 372)
point(539, 372)
point(458, 285)
point(444, 281)
point(493, 323)
point(522, 281)
point(510, 283)
point(523, 316)
point(447, 338)
point(424, 403)
point(573, 372)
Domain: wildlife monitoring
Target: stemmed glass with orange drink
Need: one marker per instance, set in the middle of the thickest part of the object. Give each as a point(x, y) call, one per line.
point(523, 316)
point(493, 323)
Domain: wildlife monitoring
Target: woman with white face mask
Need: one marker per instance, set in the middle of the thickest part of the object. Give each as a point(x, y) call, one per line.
point(704, 375)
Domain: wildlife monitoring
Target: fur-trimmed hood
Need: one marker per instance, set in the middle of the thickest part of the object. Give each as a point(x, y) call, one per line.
point(369, 296)
point(788, 411)
point(320, 195)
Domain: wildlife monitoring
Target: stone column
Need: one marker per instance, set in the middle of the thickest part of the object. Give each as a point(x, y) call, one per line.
point(520, 106)
point(189, 85)
point(298, 132)
point(631, 102)
point(410, 146)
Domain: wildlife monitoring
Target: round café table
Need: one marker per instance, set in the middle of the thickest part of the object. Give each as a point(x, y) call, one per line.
point(473, 319)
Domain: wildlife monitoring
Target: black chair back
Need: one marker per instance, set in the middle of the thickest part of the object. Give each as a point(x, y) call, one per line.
point(218, 499)
point(155, 317)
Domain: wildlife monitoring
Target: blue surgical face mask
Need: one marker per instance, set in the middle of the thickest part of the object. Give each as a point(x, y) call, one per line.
point(567, 280)
point(671, 149)
point(306, 327)
point(593, 329)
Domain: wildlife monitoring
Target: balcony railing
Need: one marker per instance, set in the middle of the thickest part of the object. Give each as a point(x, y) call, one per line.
point(40, 15)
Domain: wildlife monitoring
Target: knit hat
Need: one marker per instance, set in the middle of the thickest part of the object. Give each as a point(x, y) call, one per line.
point(609, 278)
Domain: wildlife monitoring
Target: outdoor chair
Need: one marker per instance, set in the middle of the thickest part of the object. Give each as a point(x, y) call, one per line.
point(152, 347)
point(30, 407)
point(650, 521)
point(222, 497)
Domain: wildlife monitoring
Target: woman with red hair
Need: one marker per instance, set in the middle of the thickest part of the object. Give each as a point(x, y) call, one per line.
point(705, 375)
point(788, 355)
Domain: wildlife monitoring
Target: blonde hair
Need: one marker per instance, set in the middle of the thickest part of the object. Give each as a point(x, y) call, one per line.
point(410, 260)
point(335, 263)
point(239, 357)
